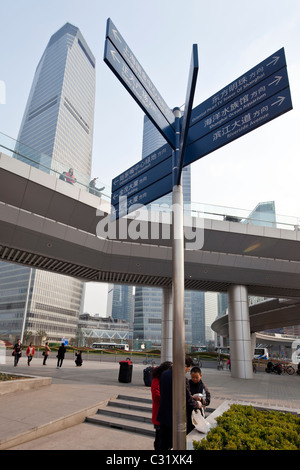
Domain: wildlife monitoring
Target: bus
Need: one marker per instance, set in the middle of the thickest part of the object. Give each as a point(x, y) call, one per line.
point(261, 353)
point(124, 347)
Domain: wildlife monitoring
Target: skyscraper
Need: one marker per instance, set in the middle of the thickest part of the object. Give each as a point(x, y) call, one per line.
point(58, 122)
point(120, 302)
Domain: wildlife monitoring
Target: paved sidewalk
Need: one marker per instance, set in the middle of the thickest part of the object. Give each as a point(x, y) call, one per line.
point(51, 417)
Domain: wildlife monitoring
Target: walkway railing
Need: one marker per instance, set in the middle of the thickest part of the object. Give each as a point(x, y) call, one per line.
point(43, 162)
point(244, 216)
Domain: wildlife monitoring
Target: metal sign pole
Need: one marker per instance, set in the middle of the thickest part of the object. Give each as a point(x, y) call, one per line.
point(178, 382)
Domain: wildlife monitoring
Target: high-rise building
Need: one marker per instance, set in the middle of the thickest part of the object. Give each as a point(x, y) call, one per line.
point(120, 302)
point(58, 123)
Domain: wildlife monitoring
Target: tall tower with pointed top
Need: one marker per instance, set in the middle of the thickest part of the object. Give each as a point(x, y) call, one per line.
point(58, 123)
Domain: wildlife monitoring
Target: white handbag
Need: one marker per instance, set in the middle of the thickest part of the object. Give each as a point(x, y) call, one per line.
point(200, 422)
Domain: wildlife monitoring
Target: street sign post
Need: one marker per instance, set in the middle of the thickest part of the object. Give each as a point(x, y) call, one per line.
point(255, 98)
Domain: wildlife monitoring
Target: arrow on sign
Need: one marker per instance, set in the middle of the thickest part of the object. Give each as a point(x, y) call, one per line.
point(280, 101)
point(274, 61)
point(115, 33)
point(114, 55)
point(276, 81)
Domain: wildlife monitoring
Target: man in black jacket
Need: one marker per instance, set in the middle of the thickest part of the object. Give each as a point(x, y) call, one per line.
point(165, 412)
point(17, 352)
point(61, 355)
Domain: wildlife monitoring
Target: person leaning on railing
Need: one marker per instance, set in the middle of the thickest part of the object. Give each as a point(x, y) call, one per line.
point(93, 189)
point(69, 176)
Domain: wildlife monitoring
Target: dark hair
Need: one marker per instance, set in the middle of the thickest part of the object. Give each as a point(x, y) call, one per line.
point(161, 368)
point(195, 370)
point(188, 361)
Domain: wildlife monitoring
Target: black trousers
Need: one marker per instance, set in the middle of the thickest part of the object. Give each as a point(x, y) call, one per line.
point(165, 442)
point(45, 359)
point(17, 357)
point(60, 360)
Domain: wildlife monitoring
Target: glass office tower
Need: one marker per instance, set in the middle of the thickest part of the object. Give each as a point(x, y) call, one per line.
point(58, 122)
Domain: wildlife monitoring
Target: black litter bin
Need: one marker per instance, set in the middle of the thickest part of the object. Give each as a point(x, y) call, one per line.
point(147, 376)
point(125, 372)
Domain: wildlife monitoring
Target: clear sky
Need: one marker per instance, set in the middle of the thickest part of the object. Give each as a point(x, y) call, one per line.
point(232, 37)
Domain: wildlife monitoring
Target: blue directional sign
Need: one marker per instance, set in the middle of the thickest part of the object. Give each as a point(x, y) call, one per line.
point(143, 180)
point(249, 79)
point(248, 99)
point(117, 40)
point(121, 60)
point(143, 197)
point(134, 183)
point(255, 98)
point(148, 163)
point(253, 118)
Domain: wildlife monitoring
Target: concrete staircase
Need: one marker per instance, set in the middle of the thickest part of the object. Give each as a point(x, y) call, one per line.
point(128, 413)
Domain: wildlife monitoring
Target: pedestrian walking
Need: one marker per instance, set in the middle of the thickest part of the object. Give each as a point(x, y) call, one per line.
point(30, 353)
point(17, 352)
point(46, 353)
point(60, 355)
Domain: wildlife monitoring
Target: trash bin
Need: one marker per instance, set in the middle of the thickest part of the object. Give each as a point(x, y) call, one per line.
point(147, 376)
point(125, 372)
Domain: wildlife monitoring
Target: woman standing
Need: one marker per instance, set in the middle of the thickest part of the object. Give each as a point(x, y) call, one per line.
point(46, 353)
point(30, 353)
point(155, 390)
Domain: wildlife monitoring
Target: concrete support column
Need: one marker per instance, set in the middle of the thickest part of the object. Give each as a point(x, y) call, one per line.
point(167, 325)
point(239, 333)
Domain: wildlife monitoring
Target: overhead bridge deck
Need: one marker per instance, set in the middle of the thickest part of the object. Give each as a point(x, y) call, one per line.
point(47, 224)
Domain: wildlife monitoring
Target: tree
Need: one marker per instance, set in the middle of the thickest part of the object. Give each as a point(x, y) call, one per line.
point(41, 336)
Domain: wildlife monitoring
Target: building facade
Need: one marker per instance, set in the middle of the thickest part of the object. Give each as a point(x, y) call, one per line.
point(95, 329)
point(120, 302)
point(58, 125)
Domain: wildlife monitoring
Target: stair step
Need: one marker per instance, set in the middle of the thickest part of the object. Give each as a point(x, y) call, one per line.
point(129, 414)
point(146, 407)
point(133, 414)
point(123, 424)
point(138, 399)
